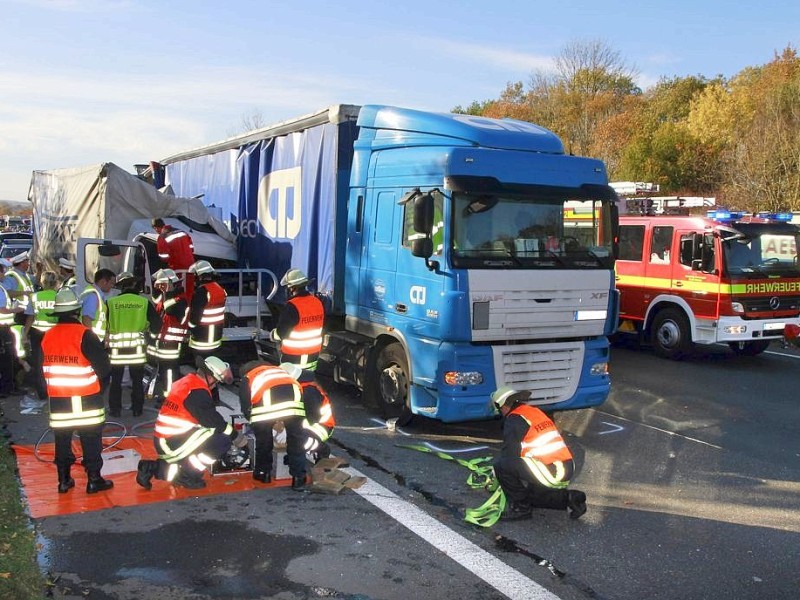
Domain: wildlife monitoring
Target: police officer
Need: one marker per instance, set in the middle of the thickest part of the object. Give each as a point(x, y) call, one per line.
point(20, 288)
point(66, 270)
point(206, 311)
point(93, 309)
point(535, 465)
point(75, 366)
point(129, 317)
point(7, 352)
point(268, 394)
point(167, 341)
point(39, 320)
point(299, 328)
point(190, 435)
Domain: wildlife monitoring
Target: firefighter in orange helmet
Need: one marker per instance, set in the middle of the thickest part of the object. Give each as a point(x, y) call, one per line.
point(299, 328)
point(535, 465)
point(76, 368)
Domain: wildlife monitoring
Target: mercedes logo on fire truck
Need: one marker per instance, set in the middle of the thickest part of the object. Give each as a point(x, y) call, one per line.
point(774, 302)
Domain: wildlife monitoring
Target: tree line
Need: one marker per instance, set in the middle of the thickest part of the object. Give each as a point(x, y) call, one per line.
point(737, 139)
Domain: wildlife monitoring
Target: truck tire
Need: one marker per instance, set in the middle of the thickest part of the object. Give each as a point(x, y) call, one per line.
point(749, 348)
point(670, 334)
point(391, 383)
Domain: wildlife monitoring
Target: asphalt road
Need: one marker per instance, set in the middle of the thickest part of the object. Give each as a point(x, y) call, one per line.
point(691, 470)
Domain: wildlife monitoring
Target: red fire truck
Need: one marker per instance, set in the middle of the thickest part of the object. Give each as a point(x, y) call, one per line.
point(686, 280)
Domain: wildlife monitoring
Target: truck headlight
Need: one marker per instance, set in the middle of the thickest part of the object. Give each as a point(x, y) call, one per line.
point(599, 369)
point(463, 378)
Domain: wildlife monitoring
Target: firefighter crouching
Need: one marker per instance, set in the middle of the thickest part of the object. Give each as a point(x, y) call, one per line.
point(167, 340)
point(535, 465)
point(206, 310)
point(268, 394)
point(189, 434)
point(74, 364)
point(129, 317)
point(319, 421)
point(299, 328)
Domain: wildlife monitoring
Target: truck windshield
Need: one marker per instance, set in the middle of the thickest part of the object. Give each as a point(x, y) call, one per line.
point(760, 248)
point(525, 231)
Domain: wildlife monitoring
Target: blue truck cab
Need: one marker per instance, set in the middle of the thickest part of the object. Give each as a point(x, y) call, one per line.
point(457, 253)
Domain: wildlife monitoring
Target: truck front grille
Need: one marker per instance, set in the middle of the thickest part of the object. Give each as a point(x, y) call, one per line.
point(549, 371)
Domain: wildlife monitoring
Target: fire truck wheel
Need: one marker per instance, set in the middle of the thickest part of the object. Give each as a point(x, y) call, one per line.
point(749, 348)
point(393, 383)
point(670, 334)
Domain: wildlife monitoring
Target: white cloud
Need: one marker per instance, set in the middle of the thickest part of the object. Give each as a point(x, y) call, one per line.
point(505, 59)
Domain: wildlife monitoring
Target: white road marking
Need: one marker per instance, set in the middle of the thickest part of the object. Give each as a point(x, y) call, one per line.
point(484, 565)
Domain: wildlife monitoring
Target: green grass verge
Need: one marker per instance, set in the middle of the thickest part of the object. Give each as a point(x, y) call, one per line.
point(20, 577)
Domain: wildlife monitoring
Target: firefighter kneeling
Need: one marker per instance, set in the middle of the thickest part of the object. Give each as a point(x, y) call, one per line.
point(190, 435)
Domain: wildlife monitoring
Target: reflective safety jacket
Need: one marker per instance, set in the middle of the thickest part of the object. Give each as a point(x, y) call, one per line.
point(206, 323)
point(72, 383)
point(174, 313)
point(319, 419)
point(99, 322)
point(23, 284)
point(127, 323)
point(176, 425)
point(175, 248)
point(543, 449)
point(5, 302)
point(274, 395)
point(304, 342)
point(43, 317)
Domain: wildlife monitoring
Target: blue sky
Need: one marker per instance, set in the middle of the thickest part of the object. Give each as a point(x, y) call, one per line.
point(89, 81)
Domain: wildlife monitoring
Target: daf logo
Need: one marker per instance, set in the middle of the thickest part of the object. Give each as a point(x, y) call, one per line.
point(417, 294)
point(774, 303)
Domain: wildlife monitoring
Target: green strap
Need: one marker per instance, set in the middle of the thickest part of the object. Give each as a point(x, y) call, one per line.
point(481, 476)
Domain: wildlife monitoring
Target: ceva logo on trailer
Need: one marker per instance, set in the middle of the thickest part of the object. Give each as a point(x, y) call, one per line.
point(280, 195)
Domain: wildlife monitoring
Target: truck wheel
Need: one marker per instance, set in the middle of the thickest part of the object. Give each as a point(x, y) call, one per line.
point(391, 384)
point(749, 348)
point(670, 334)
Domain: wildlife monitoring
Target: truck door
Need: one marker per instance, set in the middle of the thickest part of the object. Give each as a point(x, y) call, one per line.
point(697, 279)
point(658, 263)
point(630, 271)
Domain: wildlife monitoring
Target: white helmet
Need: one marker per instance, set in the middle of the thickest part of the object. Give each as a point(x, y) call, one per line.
point(294, 278)
point(201, 267)
point(219, 369)
point(503, 395)
point(66, 301)
point(165, 276)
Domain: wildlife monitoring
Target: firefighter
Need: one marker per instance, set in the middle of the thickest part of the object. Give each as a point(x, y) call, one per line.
point(76, 368)
point(176, 251)
point(190, 435)
point(167, 340)
point(7, 353)
point(206, 310)
point(535, 465)
point(39, 320)
point(93, 310)
point(299, 328)
point(319, 421)
point(268, 394)
point(129, 317)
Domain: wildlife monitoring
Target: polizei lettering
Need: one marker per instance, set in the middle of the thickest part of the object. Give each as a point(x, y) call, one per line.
point(772, 287)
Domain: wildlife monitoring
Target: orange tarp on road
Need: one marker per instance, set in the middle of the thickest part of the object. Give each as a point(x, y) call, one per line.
point(40, 482)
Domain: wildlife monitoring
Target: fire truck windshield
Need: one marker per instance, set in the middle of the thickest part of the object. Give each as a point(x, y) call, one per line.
point(761, 248)
point(530, 231)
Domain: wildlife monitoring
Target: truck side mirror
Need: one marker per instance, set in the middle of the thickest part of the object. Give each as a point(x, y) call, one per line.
point(423, 215)
point(422, 247)
point(108, 249)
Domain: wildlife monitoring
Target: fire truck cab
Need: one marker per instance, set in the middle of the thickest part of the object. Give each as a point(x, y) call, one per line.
point(686, 280)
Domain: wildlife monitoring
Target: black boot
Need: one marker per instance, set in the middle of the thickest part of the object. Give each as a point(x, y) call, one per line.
point(146, 470)
point(192, 481)
point(65, 482)
point(96, 483)
point(517, 512)
point(262, 476)
point(298, 482)
point(576, 503)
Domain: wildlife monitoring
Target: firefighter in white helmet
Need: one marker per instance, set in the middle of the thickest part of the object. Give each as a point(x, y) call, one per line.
point(167, 342)
point(206, 310)
point(535, 465)
point(299, 328)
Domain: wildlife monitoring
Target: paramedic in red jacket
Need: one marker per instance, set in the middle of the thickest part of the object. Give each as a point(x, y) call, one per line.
point(176, 251)
point(535, 465)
